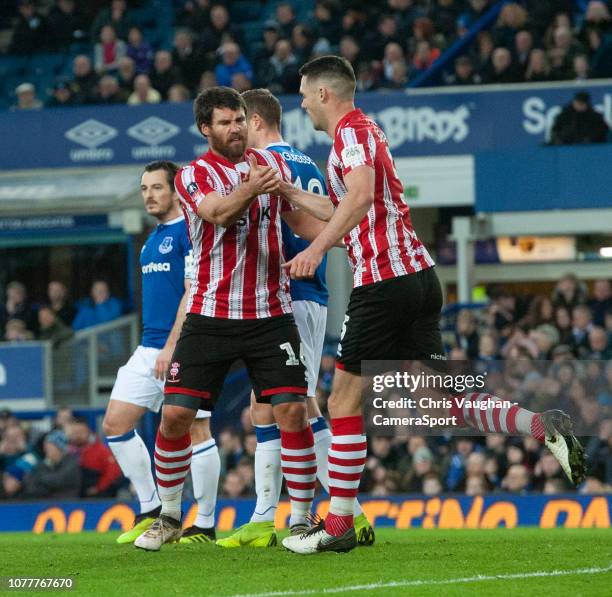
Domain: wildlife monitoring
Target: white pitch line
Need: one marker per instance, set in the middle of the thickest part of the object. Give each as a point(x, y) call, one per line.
point(423, 583)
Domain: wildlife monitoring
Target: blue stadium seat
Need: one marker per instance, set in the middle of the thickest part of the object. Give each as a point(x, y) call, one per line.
point(252, 33)
point(45, 64)
point(144, 17)
point(11, 66)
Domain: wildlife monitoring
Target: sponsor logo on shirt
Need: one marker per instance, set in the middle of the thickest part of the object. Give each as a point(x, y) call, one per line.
point(155, 267)
point(353, 155)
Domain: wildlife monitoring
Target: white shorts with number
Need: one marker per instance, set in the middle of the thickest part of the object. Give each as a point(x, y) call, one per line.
point(137, 385)
point(311, 319)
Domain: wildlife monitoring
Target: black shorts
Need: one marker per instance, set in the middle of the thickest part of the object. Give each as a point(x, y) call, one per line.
point(209, 346)
point(396, 319)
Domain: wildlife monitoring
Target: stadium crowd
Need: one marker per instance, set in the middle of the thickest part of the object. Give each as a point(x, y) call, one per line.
point(116, 51)
point(569, 332)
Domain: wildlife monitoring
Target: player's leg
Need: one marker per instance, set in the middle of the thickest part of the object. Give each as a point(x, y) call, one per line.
point(205, 469)
point(260, 530)
point(279, 378)
point(135, 391)
point(195, 386)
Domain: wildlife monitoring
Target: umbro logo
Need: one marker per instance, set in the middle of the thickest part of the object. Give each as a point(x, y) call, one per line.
point(153, 131)
point(91, 133)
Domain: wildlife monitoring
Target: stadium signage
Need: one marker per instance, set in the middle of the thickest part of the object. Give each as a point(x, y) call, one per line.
point(442, 123)
point(23, 375)
point(402, 512)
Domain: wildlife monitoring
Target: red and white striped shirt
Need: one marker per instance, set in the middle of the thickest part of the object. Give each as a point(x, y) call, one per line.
point(383, 245)
point(237, 270)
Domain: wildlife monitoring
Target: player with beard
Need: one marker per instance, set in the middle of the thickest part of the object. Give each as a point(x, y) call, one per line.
point(239, 307)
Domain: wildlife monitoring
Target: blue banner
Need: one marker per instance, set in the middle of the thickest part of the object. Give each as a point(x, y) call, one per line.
point(399, 511)
point(417, 124)
point(22, 371)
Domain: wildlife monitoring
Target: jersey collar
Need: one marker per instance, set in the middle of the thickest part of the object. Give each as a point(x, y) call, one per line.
point(279, 143)
point(345, 119)
point(175, 221)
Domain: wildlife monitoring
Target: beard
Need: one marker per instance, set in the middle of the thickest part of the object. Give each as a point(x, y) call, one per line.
point(231, 149)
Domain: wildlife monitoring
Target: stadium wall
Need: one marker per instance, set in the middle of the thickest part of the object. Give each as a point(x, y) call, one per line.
point(399, 511)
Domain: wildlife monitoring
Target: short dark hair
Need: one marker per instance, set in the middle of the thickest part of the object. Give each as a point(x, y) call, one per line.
point(215, 97)
point(264, 103)
point(337, 70)
point(170, 168)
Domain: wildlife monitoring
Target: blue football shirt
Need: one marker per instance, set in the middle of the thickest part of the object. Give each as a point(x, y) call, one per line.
point(165, 262)
point(306, 175)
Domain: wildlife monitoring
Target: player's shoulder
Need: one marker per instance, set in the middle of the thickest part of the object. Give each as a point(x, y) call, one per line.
point(354, 128)
point(269, 157)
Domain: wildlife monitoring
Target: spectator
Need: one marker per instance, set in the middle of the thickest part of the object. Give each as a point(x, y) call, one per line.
point(456, 470)
point(538, 67)
point(444, 14)
point(84, 81)
point(475, 10)
point(30, 32)
point(432, 485)
point(599, 452)
point(569, 292)
point(393, 53)
point(66, 25)
point(232, 62)
point(422, 465)
point(598, 345)
point(523, 46)
point(464, 73)
point(466, 335)
point(13, 445)
point(109, 92)
point(15, 330)
point(301, 39)
point(108, 52)
point(265, 49)
point(512, 18)
point(58, 475)
point(207, 80)
point(581, 67)
point(100, 473)
point(502, 69)
point(487, 347)
point(195, 15)
point(542, 12)
point(600, 47)
point(581, 328)
point(425, 55)
point(63, 417)
point(178, 94)
point(350, 49)
point(516, 479)
point(125, 76)
point(579, 123)
point(143, 92)
point(139, 50)
point(366, 77)
point(601, 303)
point(115, 16)
point(484, 51)
point(57, 295)
point(375, 43)
point(234, 485)
point(325, 23)
point(220, 31)
point(62, 95)
point(164, 73)
point(100, 308)
point(282, 73)
point(17, 306)
point(189, 59)
point(26, 98)
point(285, 17)
point(51, 327)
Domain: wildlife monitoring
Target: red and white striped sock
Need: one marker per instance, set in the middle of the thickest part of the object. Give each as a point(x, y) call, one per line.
point(511, 420)
point(347, 457)
point(299, 466)
point(172, 462)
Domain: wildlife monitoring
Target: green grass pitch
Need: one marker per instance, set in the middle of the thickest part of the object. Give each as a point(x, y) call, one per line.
point(497, 562)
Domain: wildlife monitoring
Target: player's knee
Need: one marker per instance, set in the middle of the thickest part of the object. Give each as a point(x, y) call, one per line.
point(113, 426)
point(176, 420)
point(290, 416)
point(200, 431)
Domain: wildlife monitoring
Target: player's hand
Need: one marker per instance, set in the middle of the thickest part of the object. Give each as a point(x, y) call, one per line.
point(261, 179)
point(162, 363)
point(304, 264)
point(287, 189)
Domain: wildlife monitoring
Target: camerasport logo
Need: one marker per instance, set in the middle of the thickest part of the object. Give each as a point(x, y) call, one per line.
point(153, 132)
point(91, 134)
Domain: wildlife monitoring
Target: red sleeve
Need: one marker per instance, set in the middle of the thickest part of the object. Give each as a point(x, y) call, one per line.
point(285, 173)
point(191, 187)
point(355, 147)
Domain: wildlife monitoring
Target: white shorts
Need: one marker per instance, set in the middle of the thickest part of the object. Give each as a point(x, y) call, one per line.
point(137, 385)
point(311, 320)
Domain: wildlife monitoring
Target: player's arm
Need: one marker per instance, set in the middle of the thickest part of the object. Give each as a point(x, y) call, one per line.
point(305, 225)
point(225, 211)
point(163, 358)
point(350, 211)
point(318, 206)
